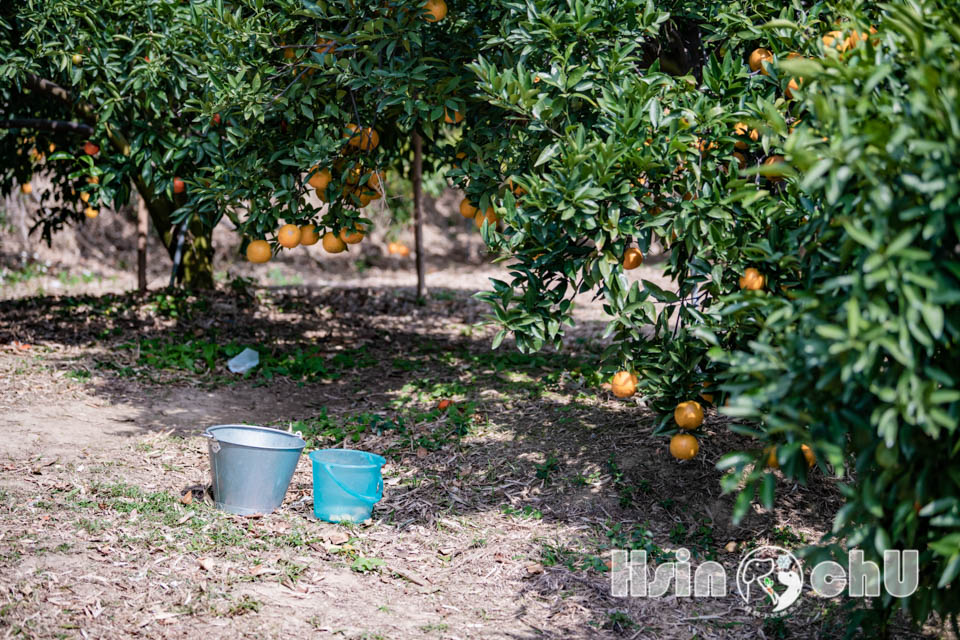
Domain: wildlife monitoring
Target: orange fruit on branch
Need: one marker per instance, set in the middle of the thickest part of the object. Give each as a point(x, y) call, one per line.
point(398, 249)
point(752, 279)
point(179, 186)
point(320, 179)
point(363, 138)
point(688, 415)
point(684, 446)
point(757, 58)
point(632, 258)
point(490, 216)
point(26, 188)
point(467, 210)
point(90, 148)
point(289, 236)
point(436, 10)
point(259, 251)
point(91, 213)
point(352, 236)
point(623, 384)
point(309, 235)
point(456, 118)
point(332, 243)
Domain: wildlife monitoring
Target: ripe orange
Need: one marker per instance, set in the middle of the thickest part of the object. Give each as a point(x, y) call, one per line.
point(741, 160)
point(436, 10)
point(791, 87)
point(772, 160)
point(93, 180)
point(90, 148)
point(91, 213)
point(363, 138)
point(632, 258)
point(320, 179)
point(752, 279)
point(308, 235)
point(332, 243)
point(443, 404)
point(326, 46)
point(459, 156)
point(259, 251)
point(684, 446)
point(772, 461)
point(688, 415)
point(833, 41)
point(757, 58)
point(623, 384)
point(26, 189)
point(179, 186)
point(809, 455)
point(456, 118)
point(490, 217)
point(517, 189)
point(353, 236)
point(398, 249)
point(289, 236)
point(740, 129)
point(467, 210)
point(85, 196)
point(754, 135)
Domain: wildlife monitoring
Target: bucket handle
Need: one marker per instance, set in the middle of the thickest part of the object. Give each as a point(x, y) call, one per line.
point(371, 499)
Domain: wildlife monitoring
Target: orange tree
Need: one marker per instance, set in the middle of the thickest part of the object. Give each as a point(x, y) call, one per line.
point(799, 163)
point(94, 97)
point(240, 111)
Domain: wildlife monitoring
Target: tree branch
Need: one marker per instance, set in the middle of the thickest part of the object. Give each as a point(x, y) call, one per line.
point(48, 125)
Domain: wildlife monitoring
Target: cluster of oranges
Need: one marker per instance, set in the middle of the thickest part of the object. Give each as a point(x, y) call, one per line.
point(290, 236)
point(361, 186)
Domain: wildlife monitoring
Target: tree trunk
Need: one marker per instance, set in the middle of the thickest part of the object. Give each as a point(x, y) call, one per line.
point(418, 213)
point(143, 226)
point(196, 270)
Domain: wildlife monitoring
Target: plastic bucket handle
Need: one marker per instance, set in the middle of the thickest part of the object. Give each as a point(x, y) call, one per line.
point(371, 499)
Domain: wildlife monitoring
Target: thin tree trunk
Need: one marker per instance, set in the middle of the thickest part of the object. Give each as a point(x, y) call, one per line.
point(143, 225)
point(418, 213)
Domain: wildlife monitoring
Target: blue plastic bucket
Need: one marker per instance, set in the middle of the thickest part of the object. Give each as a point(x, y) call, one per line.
point(251, 467)
point(346, 484)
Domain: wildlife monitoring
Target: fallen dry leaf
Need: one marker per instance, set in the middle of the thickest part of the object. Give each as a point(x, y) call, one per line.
point(422, 453)
point(338, 537)
point(187, 498)
point(206, 564)
point(730, 547)
point(262, 570)
point(534, 568)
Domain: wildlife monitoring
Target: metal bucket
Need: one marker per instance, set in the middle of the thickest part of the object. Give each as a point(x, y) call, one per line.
point(251, 466)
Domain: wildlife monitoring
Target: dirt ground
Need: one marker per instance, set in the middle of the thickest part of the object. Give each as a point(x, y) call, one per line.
point(498, 515)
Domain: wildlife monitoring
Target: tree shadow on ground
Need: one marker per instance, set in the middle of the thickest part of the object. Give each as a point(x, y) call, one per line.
point(531, 476)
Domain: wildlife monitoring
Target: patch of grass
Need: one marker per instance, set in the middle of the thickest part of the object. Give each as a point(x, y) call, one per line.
point(436, 626)
point(526, 512)
point(80, 375)
point(244, 605)
point(550, 465)
point(619, 622)
point(367, 565)
point(787, 537)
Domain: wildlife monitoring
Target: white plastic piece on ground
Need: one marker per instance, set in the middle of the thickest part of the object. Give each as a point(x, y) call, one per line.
point(244, 361)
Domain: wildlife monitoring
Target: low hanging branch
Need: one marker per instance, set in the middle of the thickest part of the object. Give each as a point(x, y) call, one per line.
point(47, 125)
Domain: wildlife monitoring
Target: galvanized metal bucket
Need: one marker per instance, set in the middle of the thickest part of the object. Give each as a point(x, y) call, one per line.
point(251, 466)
